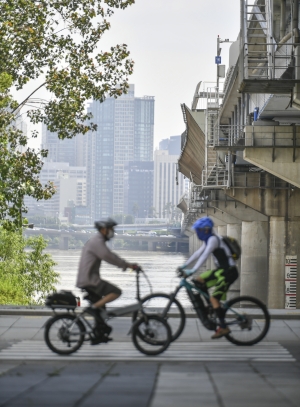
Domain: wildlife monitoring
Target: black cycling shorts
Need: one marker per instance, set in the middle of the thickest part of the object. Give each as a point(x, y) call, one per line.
point(220, 279)
point(101, 290)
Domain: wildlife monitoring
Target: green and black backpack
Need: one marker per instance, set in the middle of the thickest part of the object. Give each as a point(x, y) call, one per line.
point(233, 246)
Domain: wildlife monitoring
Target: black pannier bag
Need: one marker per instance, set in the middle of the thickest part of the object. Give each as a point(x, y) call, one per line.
point(61, 299)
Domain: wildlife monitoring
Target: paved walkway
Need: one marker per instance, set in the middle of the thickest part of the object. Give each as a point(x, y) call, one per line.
point(194, 372)
point(177, 352)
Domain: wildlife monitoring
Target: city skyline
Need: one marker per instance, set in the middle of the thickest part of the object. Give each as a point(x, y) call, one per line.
point(124, 134)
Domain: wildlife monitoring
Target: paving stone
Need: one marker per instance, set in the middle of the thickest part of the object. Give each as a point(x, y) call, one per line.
point(127, 384)
point(277, 323)
point(6, 321)
point(293, 323)
point(3, 329)
point(30, 321)
point(190, 332)
point(170, 385)
point(6, 367)
point(281, 334)
point(16, 334)
point(39, 335)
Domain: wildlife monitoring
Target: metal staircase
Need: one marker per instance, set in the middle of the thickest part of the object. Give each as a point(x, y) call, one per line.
point(258, 40)
point(215, 174)
point(264, 66)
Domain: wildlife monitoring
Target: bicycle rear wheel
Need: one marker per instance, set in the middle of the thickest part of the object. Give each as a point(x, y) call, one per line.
point(248, 319)
point(157, 302)
point(64, 334)
point(151, 335)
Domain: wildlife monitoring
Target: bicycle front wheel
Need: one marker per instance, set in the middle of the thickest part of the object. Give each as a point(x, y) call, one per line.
point(248, 320)
point(157, 303)
point(64, 334)
point(151, 335)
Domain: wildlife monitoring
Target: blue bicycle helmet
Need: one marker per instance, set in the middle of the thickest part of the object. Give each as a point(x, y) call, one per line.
point(203, 228)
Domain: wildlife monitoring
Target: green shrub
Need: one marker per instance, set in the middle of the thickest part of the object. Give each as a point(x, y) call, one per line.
point(26, 273)
point(11, 292)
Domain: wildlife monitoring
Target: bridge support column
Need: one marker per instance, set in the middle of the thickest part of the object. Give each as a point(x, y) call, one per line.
point(194, 243)
point(277, 251)
point(151, 246)
point(64, 243)
point(284, 238)
point(222, 230)
point(254, 262)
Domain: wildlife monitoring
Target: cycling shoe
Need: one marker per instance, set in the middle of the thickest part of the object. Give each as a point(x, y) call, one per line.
point(103, 339)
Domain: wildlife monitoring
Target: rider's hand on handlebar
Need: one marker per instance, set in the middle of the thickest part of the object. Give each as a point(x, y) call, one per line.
point(181, 272)
point(132, 266)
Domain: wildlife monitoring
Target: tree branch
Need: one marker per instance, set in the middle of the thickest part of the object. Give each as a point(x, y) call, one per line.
point(25, 100)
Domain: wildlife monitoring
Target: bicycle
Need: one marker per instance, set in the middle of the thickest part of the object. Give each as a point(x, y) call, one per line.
point(65, 333)
point(247, 317)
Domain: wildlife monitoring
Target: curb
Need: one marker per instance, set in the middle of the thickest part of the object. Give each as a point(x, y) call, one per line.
point(19, 311)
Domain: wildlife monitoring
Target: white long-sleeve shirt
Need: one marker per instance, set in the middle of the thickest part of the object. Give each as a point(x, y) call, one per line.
point(207, 248)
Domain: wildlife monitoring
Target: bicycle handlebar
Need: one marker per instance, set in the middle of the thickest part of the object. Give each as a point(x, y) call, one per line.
point(137, 268)
point(180, 273)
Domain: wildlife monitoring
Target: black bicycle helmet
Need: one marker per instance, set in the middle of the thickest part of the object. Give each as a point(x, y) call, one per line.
point(108, 223)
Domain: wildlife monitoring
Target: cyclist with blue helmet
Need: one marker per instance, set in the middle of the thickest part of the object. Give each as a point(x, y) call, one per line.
point(220, 278)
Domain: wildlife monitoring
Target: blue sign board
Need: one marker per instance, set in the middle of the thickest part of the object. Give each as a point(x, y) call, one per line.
point(218, 60)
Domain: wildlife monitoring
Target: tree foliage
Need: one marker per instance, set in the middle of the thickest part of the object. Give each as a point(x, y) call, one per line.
point(25, 276)
point(55, 42)
point(58, 40)
point(19, 165)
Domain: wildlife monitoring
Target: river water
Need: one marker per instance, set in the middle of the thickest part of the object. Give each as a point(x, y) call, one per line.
point(159, 266)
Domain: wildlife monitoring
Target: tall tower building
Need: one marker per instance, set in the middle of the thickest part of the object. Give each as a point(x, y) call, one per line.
point(169, 185)
point(124, 134)
point(63, 151)
point(140, 188)
point(72, 151)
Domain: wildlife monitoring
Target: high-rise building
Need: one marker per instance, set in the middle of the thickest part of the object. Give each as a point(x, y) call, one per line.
point(71, 151)
point(124, 133)
point(169, 185)
point(140, 178)
point(21, 124)
point(58, 150)
point(70, 184)
point(172, 144)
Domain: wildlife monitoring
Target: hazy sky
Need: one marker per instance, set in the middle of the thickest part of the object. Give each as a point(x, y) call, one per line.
point(173, 44)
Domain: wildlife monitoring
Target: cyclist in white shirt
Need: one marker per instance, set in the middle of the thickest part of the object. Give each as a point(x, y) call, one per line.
point(221, 278)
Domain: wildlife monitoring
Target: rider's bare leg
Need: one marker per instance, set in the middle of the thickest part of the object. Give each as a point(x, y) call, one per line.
point(216, 306)
point(214, 302)
point(107, 298)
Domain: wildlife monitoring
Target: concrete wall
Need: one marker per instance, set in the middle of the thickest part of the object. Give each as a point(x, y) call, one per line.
point(282, 165)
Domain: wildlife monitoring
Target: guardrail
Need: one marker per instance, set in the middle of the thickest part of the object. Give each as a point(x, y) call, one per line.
point(268, 60)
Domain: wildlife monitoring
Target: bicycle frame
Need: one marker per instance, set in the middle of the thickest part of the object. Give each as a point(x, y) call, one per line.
point(198, 302)
point(138, 306)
